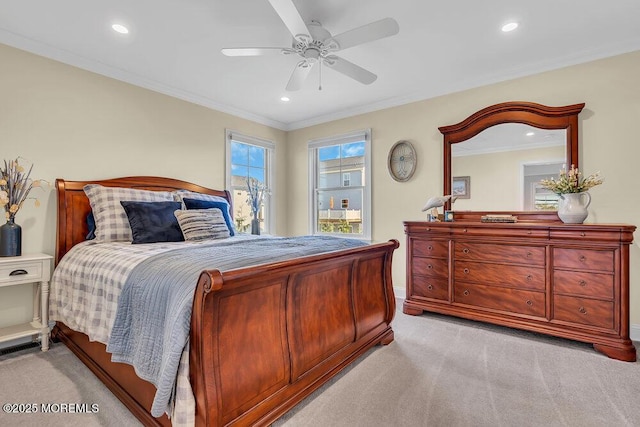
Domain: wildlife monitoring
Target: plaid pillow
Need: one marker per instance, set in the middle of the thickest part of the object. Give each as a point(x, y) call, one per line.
point(202, 224)
point(112, 224)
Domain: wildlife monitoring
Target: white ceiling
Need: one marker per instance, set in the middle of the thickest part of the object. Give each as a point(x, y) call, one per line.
point(442, 47)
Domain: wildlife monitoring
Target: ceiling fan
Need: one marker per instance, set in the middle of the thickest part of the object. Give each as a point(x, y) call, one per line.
point(314, 44)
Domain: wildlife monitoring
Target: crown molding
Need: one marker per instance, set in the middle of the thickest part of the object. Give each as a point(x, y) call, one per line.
point(473, 81)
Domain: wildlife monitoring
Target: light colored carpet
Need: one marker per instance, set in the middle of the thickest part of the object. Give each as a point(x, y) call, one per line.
point(47, 380)
point(439, 371)
point(442, 371)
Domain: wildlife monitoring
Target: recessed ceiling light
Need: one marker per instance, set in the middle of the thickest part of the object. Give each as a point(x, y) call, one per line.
point(285, 99)
point(530, 133)
point(509, 27)
point(119, 28)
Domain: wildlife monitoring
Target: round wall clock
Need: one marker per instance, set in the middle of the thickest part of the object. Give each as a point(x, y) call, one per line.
point(402, 161)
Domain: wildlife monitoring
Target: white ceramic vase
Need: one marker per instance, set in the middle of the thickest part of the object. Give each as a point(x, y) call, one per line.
point(573, 207)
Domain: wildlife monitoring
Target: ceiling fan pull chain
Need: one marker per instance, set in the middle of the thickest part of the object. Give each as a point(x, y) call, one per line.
point(320, 74)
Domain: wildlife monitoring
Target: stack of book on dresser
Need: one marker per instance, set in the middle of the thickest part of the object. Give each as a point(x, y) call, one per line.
point(499, 218)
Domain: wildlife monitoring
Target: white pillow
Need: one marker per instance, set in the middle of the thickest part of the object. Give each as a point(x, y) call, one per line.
point(112, 223)
point(202, 224)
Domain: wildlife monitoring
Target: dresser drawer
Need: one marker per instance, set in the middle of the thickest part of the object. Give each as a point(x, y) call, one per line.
point(430, 248)
point(430, 287)
point(499, 230)
point(583, 311)
point(21, 272)
point(531, 255)
point(587, 235)
point(583, 259)
point(433, 267)
point(585, 284)
point(500, 274)
point(515, 301)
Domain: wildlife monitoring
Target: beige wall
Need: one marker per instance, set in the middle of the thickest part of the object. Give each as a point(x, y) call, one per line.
point(78, 125)
point(609, 142)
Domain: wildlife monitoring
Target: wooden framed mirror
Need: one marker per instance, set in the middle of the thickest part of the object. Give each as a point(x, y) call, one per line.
point(503, 151)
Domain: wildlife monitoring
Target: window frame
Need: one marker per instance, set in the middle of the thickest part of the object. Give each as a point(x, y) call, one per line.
point(270, 167)
point(313, 146)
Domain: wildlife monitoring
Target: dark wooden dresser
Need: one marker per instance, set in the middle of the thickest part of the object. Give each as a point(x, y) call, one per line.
point(566, 280)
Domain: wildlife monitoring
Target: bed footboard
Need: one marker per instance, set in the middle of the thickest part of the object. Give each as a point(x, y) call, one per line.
point(263, 338)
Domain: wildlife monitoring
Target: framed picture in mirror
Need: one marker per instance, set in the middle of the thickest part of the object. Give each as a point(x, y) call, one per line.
point(461, 187)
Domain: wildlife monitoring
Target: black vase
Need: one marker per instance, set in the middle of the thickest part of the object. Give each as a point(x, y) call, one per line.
point(255, 226)
point(10, 239)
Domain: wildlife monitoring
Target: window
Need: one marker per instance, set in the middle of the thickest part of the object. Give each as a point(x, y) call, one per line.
point(340, 169)
point(249, 157)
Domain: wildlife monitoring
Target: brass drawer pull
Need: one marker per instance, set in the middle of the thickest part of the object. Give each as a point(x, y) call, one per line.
point(466, 293)
point(430, 287)
point(583, 234)
point(583, 258)
point(582, 283)
point(466, 251)
point(465, 271)
point(582, 310)
point(430, 267)
point(529, 277)
point(529, 302)
point(529, 254)
point(430, 247)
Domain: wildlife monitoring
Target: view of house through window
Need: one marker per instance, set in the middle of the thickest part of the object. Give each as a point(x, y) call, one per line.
point(249, 159)
point(341, 201)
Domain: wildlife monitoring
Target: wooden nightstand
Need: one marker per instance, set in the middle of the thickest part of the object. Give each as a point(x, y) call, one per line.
point(32, 268)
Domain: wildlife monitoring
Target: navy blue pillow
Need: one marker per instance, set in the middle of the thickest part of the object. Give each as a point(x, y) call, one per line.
point(91, 224)
point(153, 222)
point(211, 204)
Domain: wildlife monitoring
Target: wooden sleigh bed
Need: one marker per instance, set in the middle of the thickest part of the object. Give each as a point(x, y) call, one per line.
point(321, 313)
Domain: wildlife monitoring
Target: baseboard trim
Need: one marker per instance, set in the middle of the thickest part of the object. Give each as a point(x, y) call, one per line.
point(634, 332)
point(399, 292)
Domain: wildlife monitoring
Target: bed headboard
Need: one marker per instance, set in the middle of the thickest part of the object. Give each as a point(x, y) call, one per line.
point(73, 204)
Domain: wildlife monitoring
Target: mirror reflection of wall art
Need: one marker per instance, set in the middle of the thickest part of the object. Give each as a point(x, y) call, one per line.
point(461, 187)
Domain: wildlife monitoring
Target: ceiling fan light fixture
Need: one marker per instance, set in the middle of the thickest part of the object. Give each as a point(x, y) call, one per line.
point(510, 26)
point(315, 45)
point(285, 99)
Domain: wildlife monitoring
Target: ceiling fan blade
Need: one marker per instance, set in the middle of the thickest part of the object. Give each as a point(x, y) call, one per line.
point(253, 51)
point(299, 75)
point(376, 30)
point(350, 69)
point(291, 17)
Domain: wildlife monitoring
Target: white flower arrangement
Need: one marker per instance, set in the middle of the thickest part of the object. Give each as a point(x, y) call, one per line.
point(572, 182)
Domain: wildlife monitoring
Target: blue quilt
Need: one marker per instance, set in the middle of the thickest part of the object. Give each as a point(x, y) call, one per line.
point(152, 323)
